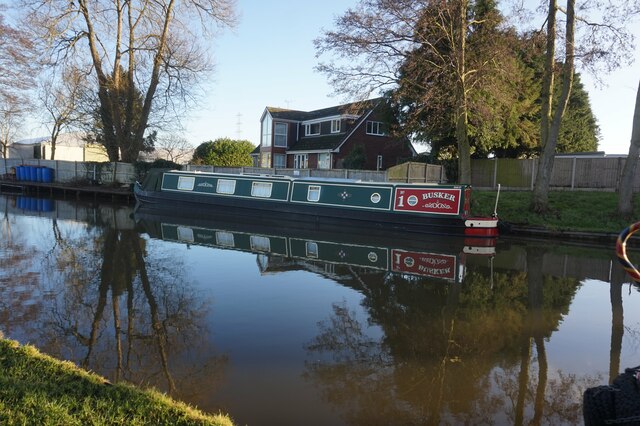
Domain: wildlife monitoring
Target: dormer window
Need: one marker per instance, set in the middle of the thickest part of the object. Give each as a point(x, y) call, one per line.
point(335, 126)
point(312, 129)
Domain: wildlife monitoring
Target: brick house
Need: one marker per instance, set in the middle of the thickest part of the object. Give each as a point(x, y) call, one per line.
point(323, 138)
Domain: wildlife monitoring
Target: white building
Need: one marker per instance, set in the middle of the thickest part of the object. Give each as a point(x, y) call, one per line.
point(69, 147)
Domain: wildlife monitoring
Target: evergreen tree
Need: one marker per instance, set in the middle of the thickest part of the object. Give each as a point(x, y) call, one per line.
point(224, 152)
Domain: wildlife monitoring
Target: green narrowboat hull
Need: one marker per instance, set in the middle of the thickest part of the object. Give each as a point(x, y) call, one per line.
point(436, 209)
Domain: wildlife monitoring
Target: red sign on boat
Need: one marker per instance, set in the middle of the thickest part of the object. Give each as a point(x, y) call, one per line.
point(425, 264)
point(426, 200)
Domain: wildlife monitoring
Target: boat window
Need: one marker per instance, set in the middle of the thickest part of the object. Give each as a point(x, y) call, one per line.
point(260, 243)
point(185, 183)
point(185, 234)
point(375, 198)
point(224, 239)
point(226, 186)
point(312, 249)
point(313, 194)
point(261, 189)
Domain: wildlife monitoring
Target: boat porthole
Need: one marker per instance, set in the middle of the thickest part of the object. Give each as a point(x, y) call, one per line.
point(412, 200)
point(375, 198)
point(372, 257)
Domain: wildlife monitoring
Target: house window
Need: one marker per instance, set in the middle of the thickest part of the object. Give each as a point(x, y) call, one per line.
point(279, 160)
point(266, 131)
point(375, 128)
point(379, 163)
point(324, 161)
point(300, 161)
point(280, 135)
point(312, 129)
point(261, 189)
point(335, 126)
point(185, 183)
point(226, 186)
point(313, 193)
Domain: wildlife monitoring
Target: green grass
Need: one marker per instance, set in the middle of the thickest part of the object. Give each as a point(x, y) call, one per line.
point(569, 210)
point(38, 389)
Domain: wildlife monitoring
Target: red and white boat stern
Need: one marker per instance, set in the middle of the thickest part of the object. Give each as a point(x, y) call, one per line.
point(481, 226)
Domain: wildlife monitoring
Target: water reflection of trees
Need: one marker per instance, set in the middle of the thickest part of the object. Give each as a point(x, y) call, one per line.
point(457, 353)
point(119, 309)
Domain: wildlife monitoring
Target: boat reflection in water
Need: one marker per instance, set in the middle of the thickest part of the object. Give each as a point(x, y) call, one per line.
point(408, 254)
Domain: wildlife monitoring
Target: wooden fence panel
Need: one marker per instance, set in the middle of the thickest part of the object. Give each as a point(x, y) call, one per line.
point(514, 173)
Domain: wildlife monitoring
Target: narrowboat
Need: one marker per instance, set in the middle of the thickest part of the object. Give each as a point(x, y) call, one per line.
point(442, 259)
point(420, 208)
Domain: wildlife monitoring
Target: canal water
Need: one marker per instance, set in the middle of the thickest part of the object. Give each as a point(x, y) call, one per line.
point(282, 326)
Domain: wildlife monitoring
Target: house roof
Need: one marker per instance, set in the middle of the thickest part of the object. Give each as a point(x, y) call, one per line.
point(73, 139)
point(319, 143)
point(353, 108)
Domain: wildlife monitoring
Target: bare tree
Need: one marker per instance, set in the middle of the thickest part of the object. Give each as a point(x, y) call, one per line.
point(156, 49)
point(625, 190)
point(174, 148)
point(60, 101)
point(11, 117)
point(16, 63)
point(606, 42)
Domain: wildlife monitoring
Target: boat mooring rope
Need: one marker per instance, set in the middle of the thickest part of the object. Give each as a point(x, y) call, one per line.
point(621, 251)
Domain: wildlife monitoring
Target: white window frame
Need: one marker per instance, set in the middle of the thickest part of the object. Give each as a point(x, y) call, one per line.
point(300, 158)
point(375, 128)
point(225, 239)
point(260, 243)
point(335, 126)
point(311, 248)
point(307, 129)
point(226, 186)
point(261, 189)
point(313, 193)
point(276, 134)
point(186, 183)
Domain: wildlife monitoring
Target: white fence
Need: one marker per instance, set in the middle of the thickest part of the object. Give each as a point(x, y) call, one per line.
point(76, 171)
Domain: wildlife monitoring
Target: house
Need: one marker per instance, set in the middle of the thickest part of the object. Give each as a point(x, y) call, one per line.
point(329, 138)
point(69, 147)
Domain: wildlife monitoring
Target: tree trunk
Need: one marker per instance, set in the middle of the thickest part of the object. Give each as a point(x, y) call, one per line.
point(625, 190)
point(549, 131)
point(462, 112)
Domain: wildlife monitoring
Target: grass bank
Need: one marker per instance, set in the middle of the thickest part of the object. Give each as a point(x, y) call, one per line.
point(38, 389)
point(579, 211)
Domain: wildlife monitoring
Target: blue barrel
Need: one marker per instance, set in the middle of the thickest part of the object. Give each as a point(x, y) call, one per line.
point(33, 204)
point(47, 205)
point(20, 202)
point(33, 173)
point(20, 172)
point(39, 174)
point(47, 174)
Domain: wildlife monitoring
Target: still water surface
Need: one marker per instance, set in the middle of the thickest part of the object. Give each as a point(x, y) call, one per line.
point(281, 326)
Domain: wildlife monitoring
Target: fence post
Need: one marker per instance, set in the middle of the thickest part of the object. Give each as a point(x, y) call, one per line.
point(573, 172)
point(533, 172)
point(495, 171)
